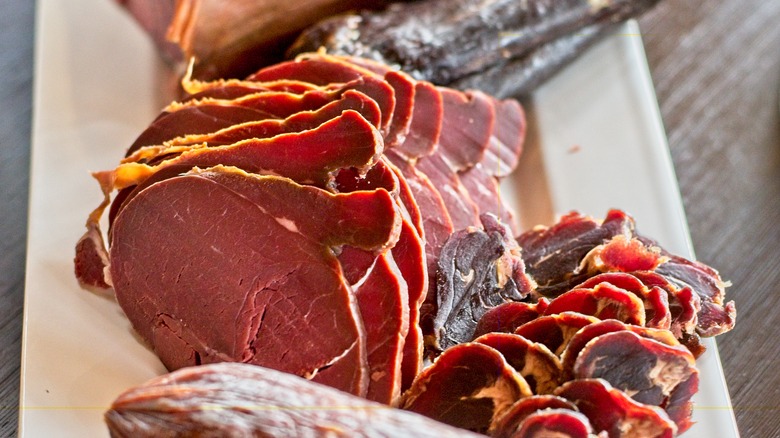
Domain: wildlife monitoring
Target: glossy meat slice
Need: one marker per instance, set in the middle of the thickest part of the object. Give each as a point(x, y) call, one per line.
point(611, 410)
point(558, 423)
point(604, 301)
point(220, 230)
point(534, 361)
point(468, 386)
point(266, 128)
point(647, 370)
point(507, 426)
point(507, 317)
point(232, 399)
point(309, 157)
point(655, 299)
point(555, 331)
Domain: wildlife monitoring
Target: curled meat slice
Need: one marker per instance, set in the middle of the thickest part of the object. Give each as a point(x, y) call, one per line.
point(540, 368)
point(556, 330)
point(655, 299)
point(611, 410)
point(604, 301)
point(645, 369)
point(589, 332)
point(507, 317)
point(508, 424)
point(231, 399)
point(558, 423)
point(468, 386)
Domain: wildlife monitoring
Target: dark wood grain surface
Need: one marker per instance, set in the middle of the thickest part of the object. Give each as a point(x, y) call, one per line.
point(716, 69)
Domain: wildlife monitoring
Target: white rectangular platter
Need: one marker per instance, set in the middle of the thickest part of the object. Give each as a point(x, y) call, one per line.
point(596, 142)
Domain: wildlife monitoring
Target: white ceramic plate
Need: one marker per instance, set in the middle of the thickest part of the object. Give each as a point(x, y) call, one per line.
point(596, 142)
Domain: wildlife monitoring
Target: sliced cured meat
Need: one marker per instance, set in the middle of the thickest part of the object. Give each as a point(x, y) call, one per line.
point(655, 299)
point(194, 120)
point(184, 403)
point(507, 425)
point(462, 210)
point(302, 121)
point(383, 300)
point(426, 124)
point(507, 138)
point(468, 386)
point(647, 370)
point(563, 423)
point(507, 317)
point(604, 301)
point(591, 331)
point(469, 119)
point(188, 222)
point(477, 270)
point(309, 157)
point(553, 254)
point(322, 70)
point(716, 316)
point(535, 362)
point(555, 331)
point(612, 411)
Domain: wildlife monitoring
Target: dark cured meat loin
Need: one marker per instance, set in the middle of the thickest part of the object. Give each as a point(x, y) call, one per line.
point(592, 331)
point(468, 386)
point(535, 362)
point(302, 121)
point(444, 40)
point(520, 76)
point(604, 301)
point(507, 425)
point(254, 401)
point(507, 317)
point(477, 270)
point(645, 369)
point(308, 157)
point(610, 410)
point(265, 296)
point(656, 300)
point(555, 331)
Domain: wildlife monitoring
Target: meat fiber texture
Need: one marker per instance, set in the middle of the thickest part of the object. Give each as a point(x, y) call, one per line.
point(294, 219)
point(601, 325)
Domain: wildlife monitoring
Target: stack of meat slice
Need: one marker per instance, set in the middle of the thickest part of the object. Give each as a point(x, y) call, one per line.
point(294, 219)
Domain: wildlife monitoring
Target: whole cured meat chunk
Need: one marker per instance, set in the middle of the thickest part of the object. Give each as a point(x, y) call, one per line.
point(242, 253)
point(469, 386)
point(231, 399)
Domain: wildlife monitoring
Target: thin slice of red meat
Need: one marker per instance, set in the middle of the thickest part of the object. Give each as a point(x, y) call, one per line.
point(216, 237)
point(507, 425)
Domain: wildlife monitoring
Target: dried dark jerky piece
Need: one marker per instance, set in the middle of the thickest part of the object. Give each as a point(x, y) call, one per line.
point(468, 386)
point(444, 40)
point(232, 399)
point(478, 270)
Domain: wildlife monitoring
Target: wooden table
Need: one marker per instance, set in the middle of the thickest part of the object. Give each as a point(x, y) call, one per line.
point(716, 68)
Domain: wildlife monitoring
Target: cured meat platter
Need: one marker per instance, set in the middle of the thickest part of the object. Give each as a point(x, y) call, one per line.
point(595, 142)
